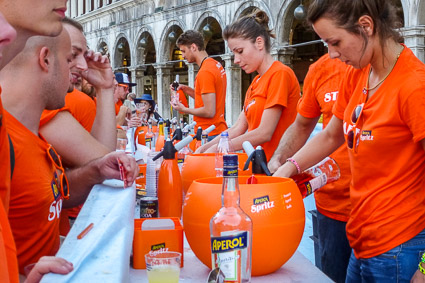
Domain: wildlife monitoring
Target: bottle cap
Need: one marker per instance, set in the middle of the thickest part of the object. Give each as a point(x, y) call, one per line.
point(230, 165)
point(199, 134)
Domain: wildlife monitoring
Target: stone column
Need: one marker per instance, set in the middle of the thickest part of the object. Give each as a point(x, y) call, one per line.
point(233, 91)
point(163, 75)
point(284, 55)
point(88, 6)
point(139, 75)
point(96, 4)
point(192, 71)
point(80, 7)
point(132, 78)
point(74, 10)
point(414, 38)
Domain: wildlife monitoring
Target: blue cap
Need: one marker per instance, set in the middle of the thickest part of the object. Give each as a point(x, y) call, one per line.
point(122, 78)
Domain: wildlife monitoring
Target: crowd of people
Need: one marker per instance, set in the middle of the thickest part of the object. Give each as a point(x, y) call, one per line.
point(59, 139)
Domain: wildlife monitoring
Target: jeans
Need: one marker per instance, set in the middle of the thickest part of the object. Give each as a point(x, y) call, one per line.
point(333, 247)
point(210, 138)
point(397, 265)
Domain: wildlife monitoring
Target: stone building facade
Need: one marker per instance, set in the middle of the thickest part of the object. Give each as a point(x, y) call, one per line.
point(139, 36)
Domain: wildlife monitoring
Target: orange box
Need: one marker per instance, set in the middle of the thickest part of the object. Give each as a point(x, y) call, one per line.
point(151, 234)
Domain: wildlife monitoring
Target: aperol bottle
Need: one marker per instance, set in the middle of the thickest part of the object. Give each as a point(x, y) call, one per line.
point(231, 229)
point(312, 179)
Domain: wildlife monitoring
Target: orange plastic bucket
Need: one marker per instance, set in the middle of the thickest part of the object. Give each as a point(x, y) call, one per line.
point(275, 206)
point(202, 165)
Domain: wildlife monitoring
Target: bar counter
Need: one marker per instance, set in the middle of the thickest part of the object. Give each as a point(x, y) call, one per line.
point(103, 254)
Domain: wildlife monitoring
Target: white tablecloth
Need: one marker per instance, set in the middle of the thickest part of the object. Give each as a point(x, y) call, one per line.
point(103, 255)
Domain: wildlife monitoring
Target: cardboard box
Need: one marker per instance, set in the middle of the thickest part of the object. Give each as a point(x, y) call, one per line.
point(151, 234)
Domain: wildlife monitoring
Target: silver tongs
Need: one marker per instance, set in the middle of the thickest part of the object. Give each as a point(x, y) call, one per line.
point(216, 276)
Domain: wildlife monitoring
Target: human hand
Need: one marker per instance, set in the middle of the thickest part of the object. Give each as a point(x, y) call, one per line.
point(211, 149)
point(418, 277)
point(48, 264)
point(286, 170)
point(109, 167)
point(134, 122)
point(99, 72)
point(177, 106)
point(274, 164)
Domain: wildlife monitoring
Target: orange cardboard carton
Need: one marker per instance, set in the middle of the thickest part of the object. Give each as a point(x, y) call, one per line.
point(153, 234)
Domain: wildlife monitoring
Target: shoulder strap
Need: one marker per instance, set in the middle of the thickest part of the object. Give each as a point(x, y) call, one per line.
point(12, 157)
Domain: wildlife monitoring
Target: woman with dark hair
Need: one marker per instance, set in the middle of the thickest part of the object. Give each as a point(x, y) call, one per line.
point(146, 105)
point(379, 112)
point(271, 99)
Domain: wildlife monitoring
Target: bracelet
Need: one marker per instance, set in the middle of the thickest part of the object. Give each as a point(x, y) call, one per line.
point(423, 258)
point(421, 269)
point(293, 161)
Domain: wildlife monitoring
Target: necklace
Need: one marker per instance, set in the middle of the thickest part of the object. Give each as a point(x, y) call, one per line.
point(202, 62)
point(367, 89)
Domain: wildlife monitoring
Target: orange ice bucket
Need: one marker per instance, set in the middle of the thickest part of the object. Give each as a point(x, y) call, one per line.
point(275, 206)
point(202, 165)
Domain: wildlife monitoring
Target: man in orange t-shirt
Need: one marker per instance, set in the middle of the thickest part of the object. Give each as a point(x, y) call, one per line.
point(81, 122)
point(44, 20)
point(333, 200)
point(38, 184)
point(210, 85)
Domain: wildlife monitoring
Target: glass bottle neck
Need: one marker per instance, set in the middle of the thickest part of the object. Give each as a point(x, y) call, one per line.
point(230, 192)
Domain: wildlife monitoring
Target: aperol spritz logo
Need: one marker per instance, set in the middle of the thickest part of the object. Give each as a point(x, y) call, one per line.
point(261, 203)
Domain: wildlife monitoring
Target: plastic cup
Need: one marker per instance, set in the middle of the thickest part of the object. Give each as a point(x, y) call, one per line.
point(121, 144)
point(163, 267)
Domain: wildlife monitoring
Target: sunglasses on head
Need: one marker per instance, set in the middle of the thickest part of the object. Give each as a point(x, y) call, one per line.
point(63, 180)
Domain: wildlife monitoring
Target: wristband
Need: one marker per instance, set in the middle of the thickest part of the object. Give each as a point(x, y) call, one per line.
point(293, 161)
point(421, 269)
point(423, 258)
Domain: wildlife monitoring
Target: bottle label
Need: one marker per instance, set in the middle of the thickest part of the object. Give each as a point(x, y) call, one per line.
point(230, 165)
point(316, 183)
point(229, 253)
point(148, 142)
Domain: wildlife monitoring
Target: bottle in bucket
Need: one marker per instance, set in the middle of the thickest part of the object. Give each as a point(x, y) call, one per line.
point(224, 147)
point(312, 179)
point(231, 229)
point(149, 203)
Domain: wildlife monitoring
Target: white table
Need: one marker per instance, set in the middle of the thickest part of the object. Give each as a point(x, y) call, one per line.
point(103, 255)
point(297, 269)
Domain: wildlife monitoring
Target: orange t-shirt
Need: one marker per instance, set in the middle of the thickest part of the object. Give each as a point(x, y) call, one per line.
point(82, 107)
point(8, 263)
point(118, 106)
point(320, 92)
point(211, 78)
point(388, 169)
point(5, 158)
point(278, 86)
point(35, 201)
